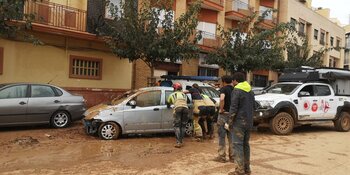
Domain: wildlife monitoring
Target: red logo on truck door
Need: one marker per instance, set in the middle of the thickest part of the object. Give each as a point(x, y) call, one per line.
point(306, 105)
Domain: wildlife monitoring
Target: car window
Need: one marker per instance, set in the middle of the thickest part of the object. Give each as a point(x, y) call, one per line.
point(148, 98)
point(42, 91)
point(308, 88)
point(14, 92)
point(211, 92)
point(167, 94)
point(322, 90)
point(59, 92)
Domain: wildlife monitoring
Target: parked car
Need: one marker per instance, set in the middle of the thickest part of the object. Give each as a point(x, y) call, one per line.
point(29, 104)
point(139, 111)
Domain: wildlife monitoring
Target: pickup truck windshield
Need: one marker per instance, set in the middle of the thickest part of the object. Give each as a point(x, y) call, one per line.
point(286, 89)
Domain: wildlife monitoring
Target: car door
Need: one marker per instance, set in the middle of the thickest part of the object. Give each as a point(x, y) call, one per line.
point(146, 114)
point(308, 105)
point(13, 104)
point(327, 103)
point(42, 103)
point(167, 113)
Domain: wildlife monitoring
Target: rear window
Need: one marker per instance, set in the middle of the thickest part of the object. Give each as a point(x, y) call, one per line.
point(211, 92)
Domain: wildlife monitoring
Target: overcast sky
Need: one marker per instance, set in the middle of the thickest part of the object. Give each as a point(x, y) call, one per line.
point(339, 8)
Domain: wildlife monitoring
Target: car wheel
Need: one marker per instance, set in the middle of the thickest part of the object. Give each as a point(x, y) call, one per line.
point(282, 124)
point(343, 122)
point(60, 119)
point(109, 131)
point(189, 128)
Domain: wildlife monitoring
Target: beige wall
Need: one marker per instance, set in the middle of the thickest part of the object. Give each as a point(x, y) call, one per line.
point(294, 9)
point(79, 4)
point(24, 62)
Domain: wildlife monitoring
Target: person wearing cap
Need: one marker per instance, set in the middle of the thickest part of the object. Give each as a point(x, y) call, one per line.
point(179, 100)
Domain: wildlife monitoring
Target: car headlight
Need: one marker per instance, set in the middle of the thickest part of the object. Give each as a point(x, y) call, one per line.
point(266, 103)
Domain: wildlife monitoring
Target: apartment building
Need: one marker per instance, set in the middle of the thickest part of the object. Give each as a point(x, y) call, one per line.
point(320, 30)
point(72, 57)
point(347, 47)
point(213, 13)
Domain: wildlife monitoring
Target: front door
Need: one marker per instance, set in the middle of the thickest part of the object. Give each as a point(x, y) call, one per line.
point(146, 115)
point(42, 103)
point(309, 105)
point(167, 114)
point(13, 105)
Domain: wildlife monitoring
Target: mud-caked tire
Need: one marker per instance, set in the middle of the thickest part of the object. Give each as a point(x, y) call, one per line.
point(109, 131)
point(282, 124)
point(342, 123)
point(189, 128)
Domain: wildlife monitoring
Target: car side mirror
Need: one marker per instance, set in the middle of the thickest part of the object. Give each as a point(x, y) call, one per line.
point(303, 94)
point(132, 103)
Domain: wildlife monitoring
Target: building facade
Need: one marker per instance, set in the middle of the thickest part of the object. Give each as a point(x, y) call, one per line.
point(321, 31)
point(347, 47)
point(72, 56)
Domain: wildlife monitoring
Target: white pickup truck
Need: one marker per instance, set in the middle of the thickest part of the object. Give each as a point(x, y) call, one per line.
point(285, 105)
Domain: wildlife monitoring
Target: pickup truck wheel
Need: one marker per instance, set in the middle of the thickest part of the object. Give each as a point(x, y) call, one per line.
point(282, 124)
point(108, 131)
point(343, 122)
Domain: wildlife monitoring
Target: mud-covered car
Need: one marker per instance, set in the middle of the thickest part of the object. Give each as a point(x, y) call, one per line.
point(139, 111)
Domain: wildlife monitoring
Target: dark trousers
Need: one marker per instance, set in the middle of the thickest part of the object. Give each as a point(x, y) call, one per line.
point(207, 125)
point(180, 121)
point(240, 139)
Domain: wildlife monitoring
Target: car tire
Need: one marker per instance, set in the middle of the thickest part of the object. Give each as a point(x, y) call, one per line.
point(282, 124)
point(342, 123)
point(189, 128)
point(60, 119)
point(109, 131)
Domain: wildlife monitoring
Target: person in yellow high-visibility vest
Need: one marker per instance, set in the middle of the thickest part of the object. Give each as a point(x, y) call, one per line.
point(179, 100)
point(198, 110)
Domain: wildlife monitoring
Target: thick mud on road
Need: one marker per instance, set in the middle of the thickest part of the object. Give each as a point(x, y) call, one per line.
point(42, 150)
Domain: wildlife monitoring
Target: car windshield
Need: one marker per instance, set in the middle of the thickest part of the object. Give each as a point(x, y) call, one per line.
point(122, 97)
point(286, 89)
point(210, 91)
point(2, 85)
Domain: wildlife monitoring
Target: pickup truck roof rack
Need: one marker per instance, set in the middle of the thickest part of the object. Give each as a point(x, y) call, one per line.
point(193, 78)
point(299, 77)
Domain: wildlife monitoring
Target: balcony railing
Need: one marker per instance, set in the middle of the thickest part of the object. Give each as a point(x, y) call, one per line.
point(56, 15)
point(209, 39)
point(239, 5)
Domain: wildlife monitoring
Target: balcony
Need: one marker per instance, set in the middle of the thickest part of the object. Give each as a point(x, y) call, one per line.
point(209, 40)
point(56, 16)
point(216, 5)
point(269, 21)
point(237, 10)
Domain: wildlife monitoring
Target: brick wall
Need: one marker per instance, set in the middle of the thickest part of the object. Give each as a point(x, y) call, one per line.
point(141, 73)
point(189, 67)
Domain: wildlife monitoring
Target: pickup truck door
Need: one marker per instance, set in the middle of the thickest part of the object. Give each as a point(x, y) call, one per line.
point(309, 104)
point(328, 102)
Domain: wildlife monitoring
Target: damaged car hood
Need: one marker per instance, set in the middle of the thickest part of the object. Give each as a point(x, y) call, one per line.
point(95, 110)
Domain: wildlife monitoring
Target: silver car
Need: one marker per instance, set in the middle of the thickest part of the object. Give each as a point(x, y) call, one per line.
point(139, 111)
point(28, 104)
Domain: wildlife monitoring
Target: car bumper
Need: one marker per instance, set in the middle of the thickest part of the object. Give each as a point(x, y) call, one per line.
point(263, 114)
point(91, 126)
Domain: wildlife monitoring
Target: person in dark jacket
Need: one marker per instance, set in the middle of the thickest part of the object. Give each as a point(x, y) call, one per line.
point(241, 121)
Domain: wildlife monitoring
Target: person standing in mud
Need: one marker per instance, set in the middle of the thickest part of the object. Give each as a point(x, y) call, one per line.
point(225, 101)
point(179, 100)
point(241, 121)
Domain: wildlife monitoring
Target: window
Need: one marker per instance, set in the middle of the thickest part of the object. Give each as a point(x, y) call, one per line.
point(322, 90)
point(332, 41)
point(42, 91)
point(322, 38)
point(58, 92)
point(293, 22)
point(240, 4)
point(205, 71)
point(263, 9)
point(308, 89)
point(1, 60)
point(302, 28)
point(85, 67)
point(208, 29)
point(211, 92)
point(315, 34)
point(162, 14)
point(110, 11)
point(338, 45)
point(14, 92)
point(150, 98)
point(260, 80)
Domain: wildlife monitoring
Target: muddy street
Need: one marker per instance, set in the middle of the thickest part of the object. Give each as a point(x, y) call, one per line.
point(41, 150)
